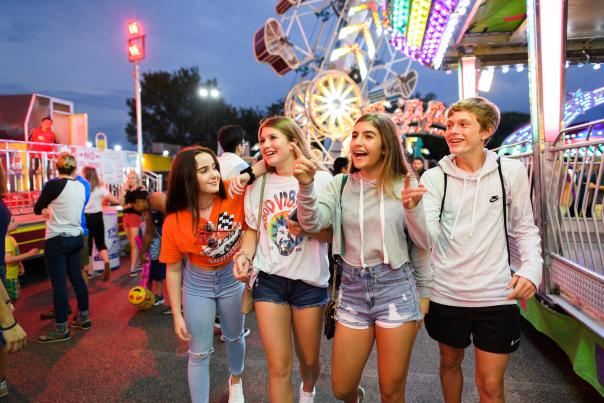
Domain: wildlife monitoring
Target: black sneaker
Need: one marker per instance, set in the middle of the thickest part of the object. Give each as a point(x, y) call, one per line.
point(167, 311)
point(55, 336)
point(159, 300)
point(82, 324)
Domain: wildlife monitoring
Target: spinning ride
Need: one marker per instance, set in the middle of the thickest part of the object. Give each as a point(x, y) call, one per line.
point(343, 58)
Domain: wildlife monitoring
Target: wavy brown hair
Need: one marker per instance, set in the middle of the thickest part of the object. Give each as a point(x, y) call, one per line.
point(393, 166)
point(183, 186)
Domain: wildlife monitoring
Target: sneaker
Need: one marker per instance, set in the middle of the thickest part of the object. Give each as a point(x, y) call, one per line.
point(93, 274)
point(82, 324)
point(106, 272)
point(133, 273)
point(361, 394)
point(246, 332)
point(307, 397)
point(3, 388)
point(236, 392)
point(51, 314)
point(167, 311)
point(159, 300)
point(55, 336)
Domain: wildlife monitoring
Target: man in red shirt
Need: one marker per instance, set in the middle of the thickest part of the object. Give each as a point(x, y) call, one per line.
point(42, 134)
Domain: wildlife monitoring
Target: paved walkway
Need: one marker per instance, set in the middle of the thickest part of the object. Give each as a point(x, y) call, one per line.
point(133, 356)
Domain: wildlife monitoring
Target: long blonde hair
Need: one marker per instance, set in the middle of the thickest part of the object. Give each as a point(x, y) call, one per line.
point(394, 166)
point(290, 129)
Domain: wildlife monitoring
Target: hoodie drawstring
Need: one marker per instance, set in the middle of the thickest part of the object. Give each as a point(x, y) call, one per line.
point(474, 206)
point(463, 192)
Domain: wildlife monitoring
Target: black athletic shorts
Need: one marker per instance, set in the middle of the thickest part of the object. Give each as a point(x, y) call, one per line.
point(96, 231)
point(495, 329)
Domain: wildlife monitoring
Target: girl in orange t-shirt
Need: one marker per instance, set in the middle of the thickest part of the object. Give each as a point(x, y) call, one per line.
point(205, 225)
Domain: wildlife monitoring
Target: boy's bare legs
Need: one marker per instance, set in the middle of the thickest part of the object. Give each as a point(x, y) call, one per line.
point(451, 376)
point(490, 370)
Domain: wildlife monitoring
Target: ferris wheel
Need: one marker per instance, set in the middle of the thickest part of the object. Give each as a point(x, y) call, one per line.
point(343, 62)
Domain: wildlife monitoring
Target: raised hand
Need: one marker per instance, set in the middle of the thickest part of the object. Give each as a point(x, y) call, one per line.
point(410, 195)
point(304, 169)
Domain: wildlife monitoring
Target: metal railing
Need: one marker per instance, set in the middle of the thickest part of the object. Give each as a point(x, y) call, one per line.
point(153, 182)
point(29, 165)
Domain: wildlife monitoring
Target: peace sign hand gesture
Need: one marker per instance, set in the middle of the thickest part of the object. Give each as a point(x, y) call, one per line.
point(304, 169)
point(412, 195)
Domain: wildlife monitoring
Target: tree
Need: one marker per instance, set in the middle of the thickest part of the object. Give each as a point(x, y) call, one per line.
point(173, 112)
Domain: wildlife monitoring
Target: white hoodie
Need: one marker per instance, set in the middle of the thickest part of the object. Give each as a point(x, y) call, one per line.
point(470, 257)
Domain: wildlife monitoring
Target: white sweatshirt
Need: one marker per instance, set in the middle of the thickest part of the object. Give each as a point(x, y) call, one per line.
point(469, 256)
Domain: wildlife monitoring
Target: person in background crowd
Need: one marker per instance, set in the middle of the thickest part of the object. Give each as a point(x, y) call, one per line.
point(290, 290)
point(62, 202)
point(41, 134)
point(132, 218)
point(12, 335)
point(470, 201)
point(340, 165)
point(14, 262)
point(94, 219)
point(381, 239)
point(418, 164)
point(153, 221)
point(232, 141)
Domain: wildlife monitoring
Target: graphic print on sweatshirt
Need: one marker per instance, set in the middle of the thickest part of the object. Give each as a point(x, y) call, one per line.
point(275, 210)
point(219, 238)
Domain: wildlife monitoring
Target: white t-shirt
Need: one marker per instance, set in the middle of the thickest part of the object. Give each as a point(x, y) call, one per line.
point(95, 204)
point(279, 252)
point(231, 165)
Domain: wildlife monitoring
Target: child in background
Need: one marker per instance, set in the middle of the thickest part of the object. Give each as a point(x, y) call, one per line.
point(151, 206)
point(14, 265)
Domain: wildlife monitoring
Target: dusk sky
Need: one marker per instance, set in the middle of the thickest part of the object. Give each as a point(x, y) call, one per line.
point(75, 50)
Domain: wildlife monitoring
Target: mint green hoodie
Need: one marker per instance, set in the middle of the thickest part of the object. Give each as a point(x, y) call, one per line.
point(317, 212)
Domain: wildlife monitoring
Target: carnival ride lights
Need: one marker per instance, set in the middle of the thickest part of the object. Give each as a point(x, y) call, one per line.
point(578, 103)
point(422, 29)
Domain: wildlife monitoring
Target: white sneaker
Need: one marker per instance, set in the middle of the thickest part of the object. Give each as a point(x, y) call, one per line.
point(306, 397)
point(236, 392)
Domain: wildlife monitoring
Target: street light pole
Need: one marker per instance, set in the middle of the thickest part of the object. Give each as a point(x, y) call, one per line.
point(139, 117)
point(136, 53)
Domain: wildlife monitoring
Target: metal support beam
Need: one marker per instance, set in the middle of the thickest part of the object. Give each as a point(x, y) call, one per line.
point(467, 77)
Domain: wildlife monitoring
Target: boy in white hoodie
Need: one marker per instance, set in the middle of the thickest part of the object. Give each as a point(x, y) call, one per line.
point(474, 290)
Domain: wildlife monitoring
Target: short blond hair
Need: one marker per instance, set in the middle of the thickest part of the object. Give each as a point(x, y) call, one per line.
point(487, 113)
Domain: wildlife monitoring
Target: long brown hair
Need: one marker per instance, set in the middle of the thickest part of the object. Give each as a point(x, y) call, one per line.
point(394, 165)
point(290, 129)
point(92, 177)
point(183, 186)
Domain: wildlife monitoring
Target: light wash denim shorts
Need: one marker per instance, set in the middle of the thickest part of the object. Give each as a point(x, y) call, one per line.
point(377, 295)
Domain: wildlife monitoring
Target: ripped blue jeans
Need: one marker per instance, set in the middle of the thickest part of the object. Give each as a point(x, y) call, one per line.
point(204, 294)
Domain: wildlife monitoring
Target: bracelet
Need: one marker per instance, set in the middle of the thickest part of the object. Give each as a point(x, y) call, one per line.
point(249, 171)
point(244, 254)
point(9, 327)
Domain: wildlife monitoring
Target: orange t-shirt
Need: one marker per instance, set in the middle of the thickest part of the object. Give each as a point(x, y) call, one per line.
point(209, 245)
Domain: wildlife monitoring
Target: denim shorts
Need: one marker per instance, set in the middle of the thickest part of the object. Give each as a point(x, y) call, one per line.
point(282, 290)
point(377, 295)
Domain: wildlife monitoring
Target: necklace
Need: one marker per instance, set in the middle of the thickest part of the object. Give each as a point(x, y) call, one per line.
point(209, 206)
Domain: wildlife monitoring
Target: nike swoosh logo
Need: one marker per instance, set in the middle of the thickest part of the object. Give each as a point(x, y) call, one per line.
point(514, 342)
point(494, 199)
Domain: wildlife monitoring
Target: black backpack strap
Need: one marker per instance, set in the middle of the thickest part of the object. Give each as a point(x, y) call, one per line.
point(505, 210)
point(442, 203)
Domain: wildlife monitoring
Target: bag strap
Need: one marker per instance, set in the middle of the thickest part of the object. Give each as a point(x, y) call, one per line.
point(259, 219)
point(505, 213)
point(442, 202)
point(332, 286)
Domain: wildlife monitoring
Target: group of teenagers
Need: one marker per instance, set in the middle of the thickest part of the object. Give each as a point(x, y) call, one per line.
point(407, 251)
